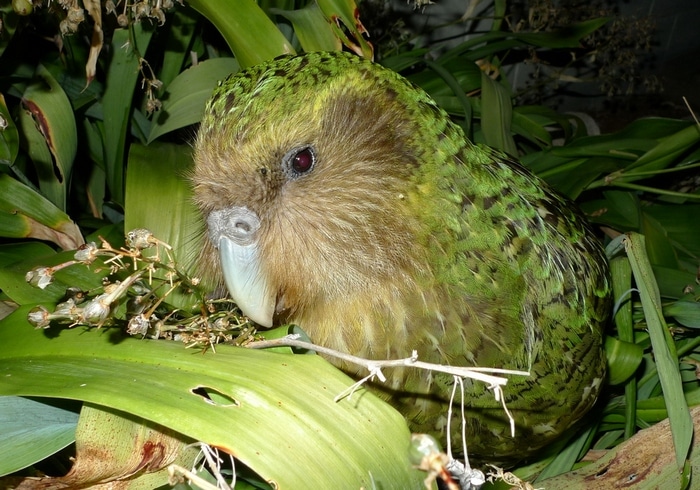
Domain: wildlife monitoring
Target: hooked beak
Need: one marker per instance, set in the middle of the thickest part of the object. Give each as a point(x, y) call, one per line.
point(234, 232)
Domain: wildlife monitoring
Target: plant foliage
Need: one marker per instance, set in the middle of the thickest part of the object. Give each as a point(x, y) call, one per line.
point(98, 104)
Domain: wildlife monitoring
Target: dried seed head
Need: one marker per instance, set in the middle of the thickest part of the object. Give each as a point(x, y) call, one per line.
point(67, 309)
point(86, 253)
point(95, 311)
point(138, 325)
point(40, 277)
point(141, 9)
point(39, 317)
point(75, 15)
point(140, 239)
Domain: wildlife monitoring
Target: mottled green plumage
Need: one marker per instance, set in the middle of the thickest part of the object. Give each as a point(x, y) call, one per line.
point(404, 235)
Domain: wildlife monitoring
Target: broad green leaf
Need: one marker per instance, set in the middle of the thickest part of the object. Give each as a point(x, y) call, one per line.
point(249, 32)
point(10, 21)
point(312, 28)
point(16, 252)
point(345, 22)
point(400, 61)
point(499, 14)
point(566, 458)
point(608, 439)
point(659, 248)
point(564, 37)
point(623, 359)
point(590, 146)
point(650, 128)
point(281, 419)
point(122, 74)
point(24, 213)
point(454, 86)
point(621, 272)
point(673, 282)
point(140, 126)
point(156, 182)
point(40, 156)
point(549, 117)
point(687, 313)
point(70, 72)
point(493, 49)
point(621, 210)
point(679, 223)
point(14, 284)
point(481, 46)
point(52, 113)
point(585, 170)
point(31, 429)
point(653, 409)
point(9, 138)
point(531, 128)
point(544, 162)
point(668, 149)
point(494, 41)
point(182, 30)
point(436, 80)
point(663, 346)
point(186, 96)
point(93, 132)
point(496, 115)
point(97, 184)
point(41, 159)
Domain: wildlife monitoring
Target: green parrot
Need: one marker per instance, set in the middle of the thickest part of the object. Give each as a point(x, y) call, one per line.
point(339, 197)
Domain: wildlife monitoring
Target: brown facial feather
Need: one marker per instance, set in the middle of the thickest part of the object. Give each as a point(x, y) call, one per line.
point(333, 232)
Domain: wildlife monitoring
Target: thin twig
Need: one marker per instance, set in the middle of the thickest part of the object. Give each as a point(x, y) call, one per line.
point(375, 366)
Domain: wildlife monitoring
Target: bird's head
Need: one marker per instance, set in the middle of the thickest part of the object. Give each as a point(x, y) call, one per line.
point(305, 174)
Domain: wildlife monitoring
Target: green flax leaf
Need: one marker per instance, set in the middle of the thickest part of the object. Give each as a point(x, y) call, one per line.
point(30, 429)
point(186, 96)
point(344, 18)
point(667, 150)
point(312, 28)
point(564, 37)
point(280, 418)
point(24, 213)
point(9, 138)
point(496, 115)
point(48, 116)
point(663, 346)
point(122, 74)
point(156, 184)
point(249, 32)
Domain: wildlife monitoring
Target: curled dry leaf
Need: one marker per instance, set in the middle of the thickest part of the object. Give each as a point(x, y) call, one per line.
point(95, 10)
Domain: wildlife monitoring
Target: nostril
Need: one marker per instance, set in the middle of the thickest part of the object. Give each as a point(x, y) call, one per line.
point(242, 223)
point(237, 223)
point(242, 226)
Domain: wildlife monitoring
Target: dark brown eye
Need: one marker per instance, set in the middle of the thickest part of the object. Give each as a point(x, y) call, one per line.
point(303, 161)
point(299, 161)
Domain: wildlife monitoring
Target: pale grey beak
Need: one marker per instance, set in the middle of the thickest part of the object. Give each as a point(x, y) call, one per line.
point(234, 232)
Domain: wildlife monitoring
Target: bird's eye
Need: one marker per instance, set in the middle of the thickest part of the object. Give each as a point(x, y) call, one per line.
point(299, 161)
point(303, 161)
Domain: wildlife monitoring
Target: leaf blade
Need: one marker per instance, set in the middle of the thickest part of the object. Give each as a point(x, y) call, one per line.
point(286, 398)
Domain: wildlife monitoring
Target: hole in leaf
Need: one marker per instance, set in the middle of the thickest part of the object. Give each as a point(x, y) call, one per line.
point(214, 397)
